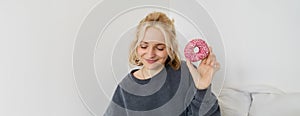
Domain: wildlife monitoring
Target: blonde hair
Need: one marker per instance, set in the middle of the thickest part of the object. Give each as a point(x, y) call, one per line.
point(161, 22)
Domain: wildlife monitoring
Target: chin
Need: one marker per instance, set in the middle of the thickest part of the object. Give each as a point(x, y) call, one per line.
point(154, 66)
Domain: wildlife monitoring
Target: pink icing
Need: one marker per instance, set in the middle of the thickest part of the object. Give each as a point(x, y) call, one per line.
point(202, 52)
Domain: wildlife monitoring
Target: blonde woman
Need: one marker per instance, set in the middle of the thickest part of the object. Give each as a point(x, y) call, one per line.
point(163, 85)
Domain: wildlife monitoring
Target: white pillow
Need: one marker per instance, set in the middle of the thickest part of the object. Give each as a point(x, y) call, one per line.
point(234, 102)
point(275, 104)
point(261, 89)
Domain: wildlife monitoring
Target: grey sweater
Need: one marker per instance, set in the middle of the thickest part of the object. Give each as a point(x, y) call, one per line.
point(168, 93)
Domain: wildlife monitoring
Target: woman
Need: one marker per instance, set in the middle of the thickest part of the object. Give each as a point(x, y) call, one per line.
point(164, 85)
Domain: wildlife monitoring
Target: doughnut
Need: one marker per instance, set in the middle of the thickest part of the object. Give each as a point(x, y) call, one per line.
point(195, 56)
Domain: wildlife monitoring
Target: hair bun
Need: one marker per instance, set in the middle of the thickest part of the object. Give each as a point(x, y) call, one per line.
point(159, 17)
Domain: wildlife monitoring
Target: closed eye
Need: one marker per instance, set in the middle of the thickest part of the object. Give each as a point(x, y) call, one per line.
point(143, 46)
point(160, 49)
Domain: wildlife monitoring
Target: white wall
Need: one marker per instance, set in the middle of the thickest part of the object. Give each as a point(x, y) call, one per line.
point(261, 39)
point(36, 43)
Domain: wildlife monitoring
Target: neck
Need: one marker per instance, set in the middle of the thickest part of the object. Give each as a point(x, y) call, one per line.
point(149, 73)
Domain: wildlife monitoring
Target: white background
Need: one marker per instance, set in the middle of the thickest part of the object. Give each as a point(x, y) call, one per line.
point(261, 40)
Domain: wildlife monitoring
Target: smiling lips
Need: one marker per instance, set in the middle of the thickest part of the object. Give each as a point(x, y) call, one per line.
point(150, 61)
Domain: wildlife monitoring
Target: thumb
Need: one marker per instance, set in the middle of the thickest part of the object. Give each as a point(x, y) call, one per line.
point(191, 66)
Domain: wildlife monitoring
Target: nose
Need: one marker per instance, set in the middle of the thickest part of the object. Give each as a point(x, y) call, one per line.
point(151, 52)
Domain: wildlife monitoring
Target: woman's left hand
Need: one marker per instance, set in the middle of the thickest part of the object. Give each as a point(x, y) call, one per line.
point(203, 74)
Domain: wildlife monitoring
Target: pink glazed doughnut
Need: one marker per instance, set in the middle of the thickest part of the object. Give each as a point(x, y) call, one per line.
point(193, 56)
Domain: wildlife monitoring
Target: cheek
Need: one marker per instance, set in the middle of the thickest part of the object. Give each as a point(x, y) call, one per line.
point(163, 54)
point(140, 51)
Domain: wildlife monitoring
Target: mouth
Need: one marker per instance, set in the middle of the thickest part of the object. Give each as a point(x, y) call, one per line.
point(150, 61)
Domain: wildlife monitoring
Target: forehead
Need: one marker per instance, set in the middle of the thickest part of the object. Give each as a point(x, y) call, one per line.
point(152, 43)
point(153, 35)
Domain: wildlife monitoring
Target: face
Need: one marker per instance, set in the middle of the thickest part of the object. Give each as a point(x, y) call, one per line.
point(152, 50)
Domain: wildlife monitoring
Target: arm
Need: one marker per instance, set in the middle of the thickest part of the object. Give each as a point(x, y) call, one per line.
point(204, 101)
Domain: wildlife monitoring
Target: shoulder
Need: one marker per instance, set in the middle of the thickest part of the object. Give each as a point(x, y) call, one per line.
point(183, 63)
point(185, 72)
point(183, 67)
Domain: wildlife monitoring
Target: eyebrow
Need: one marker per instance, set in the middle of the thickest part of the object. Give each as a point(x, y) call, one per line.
point(155, 44)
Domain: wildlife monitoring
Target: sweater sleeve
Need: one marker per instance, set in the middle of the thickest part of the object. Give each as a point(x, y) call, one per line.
point(204, 103)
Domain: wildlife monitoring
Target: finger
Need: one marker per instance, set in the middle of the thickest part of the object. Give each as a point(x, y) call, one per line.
point(208, 60)
point(204, 61)
point(210, 49)
point(209, 55)
point(211, 58)
point(217, 66)
point(213, 63)
point(191, 67)
point(189, 64)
